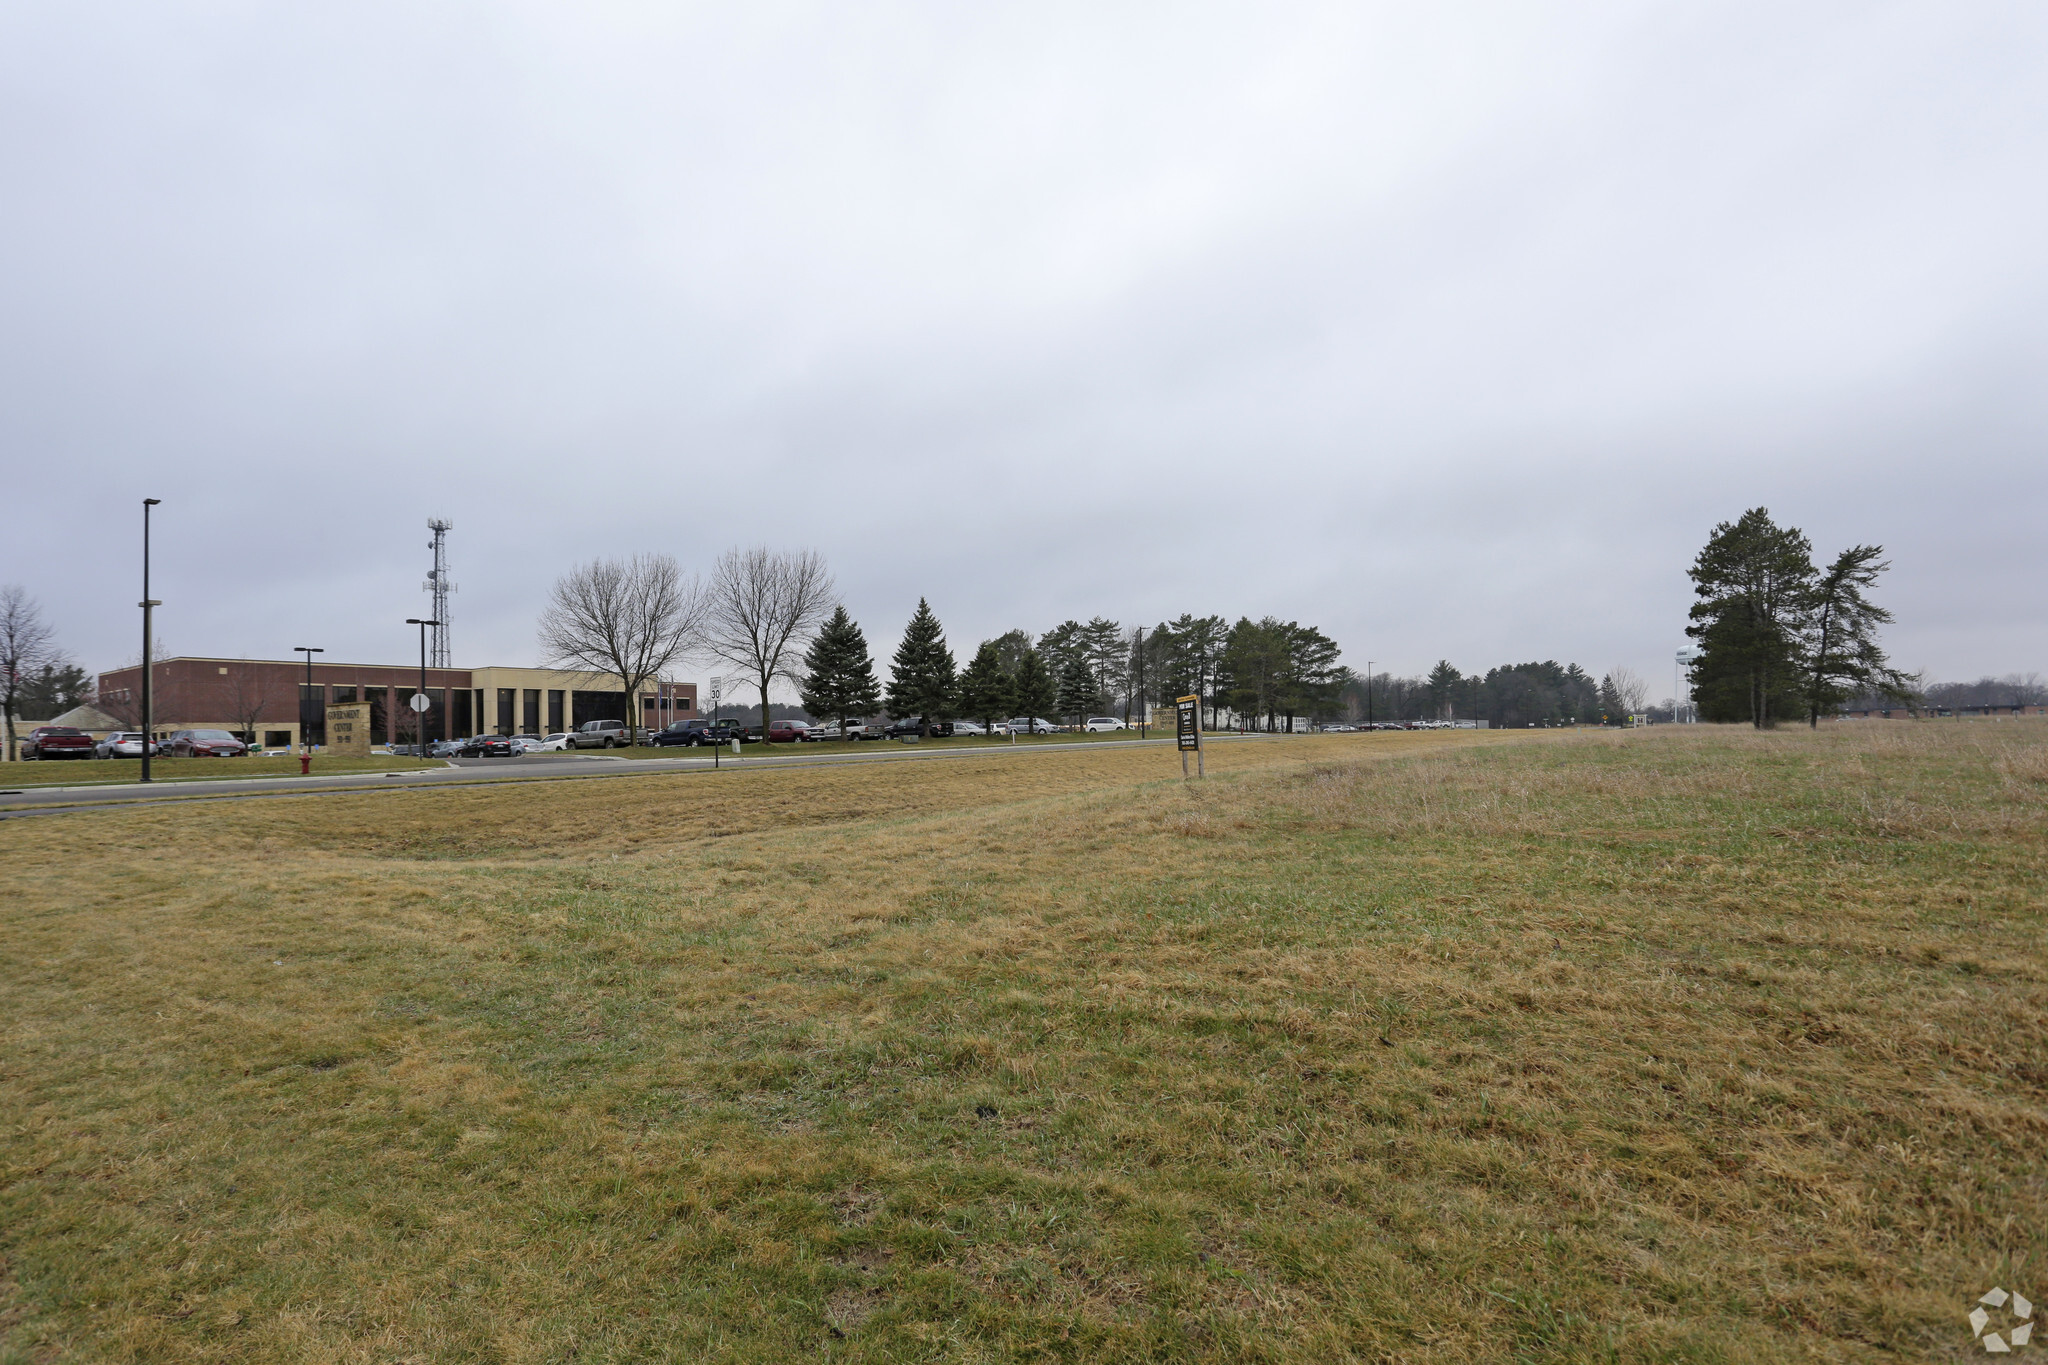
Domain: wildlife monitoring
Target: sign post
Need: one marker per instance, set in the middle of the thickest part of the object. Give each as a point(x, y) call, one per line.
point(716, 685)
point(1189, 732)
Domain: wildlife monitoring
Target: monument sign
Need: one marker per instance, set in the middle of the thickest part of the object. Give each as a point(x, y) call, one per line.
point(348, 730)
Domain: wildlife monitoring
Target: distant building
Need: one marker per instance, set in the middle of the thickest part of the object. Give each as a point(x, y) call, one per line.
point(261, 699)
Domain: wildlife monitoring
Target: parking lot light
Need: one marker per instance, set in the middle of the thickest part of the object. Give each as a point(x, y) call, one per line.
point(419, 729)
point(306, 705)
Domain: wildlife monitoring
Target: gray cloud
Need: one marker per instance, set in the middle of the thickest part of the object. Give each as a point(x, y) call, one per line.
point(1453, 331)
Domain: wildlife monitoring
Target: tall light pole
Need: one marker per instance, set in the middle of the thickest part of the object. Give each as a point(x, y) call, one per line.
point(419, 713)
point(306, 700)
point(1368, 694)
point(148, 605)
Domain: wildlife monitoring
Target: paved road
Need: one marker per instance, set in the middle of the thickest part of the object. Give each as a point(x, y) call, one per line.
point(530, 768)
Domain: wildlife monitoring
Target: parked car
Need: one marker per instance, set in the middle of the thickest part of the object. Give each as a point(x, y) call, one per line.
point(1096, 725)
point(206, 744)
point(787, 732)
point(444, 748)
point(554, 744)
point(815, 733)
point(1032, 725)
point(57, 741)
point(862, 729)
point(125, 744)
point(1340, 729)
point(904, 727)
point(496, 746)
point(600, 734)
point(527, 744)
point(968, 728)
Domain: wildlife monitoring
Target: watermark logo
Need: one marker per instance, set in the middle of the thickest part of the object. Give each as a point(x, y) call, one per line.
point(2013, 1325)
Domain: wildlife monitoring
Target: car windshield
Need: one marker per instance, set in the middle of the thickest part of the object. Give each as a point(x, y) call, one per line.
point(211, 734)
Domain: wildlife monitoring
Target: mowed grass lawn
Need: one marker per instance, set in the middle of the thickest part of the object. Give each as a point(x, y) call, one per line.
point(1686, 1044)
point(70, 772)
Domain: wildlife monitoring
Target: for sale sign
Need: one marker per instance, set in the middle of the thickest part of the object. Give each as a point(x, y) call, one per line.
point(1190, 721)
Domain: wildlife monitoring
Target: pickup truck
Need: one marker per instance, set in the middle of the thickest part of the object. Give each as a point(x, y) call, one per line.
point(56, 741)
point(600, 734)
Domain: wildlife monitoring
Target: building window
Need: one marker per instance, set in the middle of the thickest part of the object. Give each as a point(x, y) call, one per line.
point(555, 716)
point(277, 739)
point(464, 725)
point(599, 706)
point(506, 720)
point(344, 696)
point(380, 714)
point(529, 709)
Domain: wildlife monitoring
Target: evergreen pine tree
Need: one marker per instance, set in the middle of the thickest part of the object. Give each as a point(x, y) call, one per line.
point(1843, 657)
point(1077, 688)
point(839, 677)
point(1037, 692)
point(986, 689)
point(1754, 582)
point(921, 675)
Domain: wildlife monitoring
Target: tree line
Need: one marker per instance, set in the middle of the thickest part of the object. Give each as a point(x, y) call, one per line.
point(1270, 669)
point(1509, 696)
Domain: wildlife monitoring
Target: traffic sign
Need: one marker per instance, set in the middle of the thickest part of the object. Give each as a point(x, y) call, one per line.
point(419, 702)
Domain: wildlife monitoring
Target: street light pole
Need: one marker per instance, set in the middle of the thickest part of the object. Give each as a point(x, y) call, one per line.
point(147, 604)
point(1368, 694)
point(306, 700)
point(419, 716)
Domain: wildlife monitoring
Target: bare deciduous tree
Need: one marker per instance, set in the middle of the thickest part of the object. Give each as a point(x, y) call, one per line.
point(764, 607)
point(628, 618)
point(1630, 687)
point(26, 641)
point(247, 696)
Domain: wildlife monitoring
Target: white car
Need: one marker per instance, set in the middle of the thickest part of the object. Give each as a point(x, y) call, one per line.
point(966, 727)
point(123, 744)
point(1097, 724)
point(1030, 725)
point(553, 744)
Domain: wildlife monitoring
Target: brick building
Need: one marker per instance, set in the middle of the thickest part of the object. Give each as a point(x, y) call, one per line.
point(262, 699)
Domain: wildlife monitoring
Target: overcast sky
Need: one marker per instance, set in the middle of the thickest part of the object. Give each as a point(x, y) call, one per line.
point(1452, 329)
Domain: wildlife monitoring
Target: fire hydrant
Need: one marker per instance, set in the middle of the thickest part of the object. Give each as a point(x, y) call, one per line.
point(305, 764)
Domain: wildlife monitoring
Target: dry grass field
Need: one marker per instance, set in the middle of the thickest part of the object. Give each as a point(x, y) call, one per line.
point(1676, 1045)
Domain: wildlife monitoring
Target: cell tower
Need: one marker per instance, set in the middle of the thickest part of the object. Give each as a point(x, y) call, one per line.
point(437, 583)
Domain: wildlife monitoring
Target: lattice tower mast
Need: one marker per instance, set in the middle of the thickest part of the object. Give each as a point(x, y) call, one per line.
point(438, 584)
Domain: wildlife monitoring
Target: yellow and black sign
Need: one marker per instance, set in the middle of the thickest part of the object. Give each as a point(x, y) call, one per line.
point(348, 730)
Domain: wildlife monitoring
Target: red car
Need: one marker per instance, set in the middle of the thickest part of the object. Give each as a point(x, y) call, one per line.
point(206, 744)
point(786, 732)
point(57, 741)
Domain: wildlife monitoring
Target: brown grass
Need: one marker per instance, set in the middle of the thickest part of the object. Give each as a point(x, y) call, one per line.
point(1678, 1045)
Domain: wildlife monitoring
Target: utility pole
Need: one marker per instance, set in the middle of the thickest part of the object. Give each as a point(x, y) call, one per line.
point(148, 667)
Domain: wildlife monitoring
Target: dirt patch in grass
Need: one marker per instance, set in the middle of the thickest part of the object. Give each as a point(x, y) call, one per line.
point(1688, 1044)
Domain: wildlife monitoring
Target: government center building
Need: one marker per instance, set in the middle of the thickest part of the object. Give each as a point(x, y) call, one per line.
point(270, 703)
